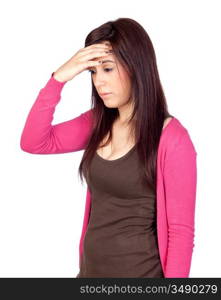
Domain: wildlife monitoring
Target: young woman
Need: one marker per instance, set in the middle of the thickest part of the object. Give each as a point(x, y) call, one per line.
point(139, 161)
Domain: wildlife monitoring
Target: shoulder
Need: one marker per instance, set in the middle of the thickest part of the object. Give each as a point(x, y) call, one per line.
point(167, 121)
point(175, 134)
point(172, 126)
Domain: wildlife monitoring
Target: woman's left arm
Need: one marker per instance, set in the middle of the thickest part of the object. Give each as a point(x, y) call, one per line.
point(180, 180)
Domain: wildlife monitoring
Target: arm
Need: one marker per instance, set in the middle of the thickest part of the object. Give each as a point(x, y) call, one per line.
point(180, 179)
point(40, 137)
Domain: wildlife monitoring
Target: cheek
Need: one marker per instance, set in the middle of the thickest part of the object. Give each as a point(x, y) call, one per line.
point(124, 81)
point(120, 83)
point(124, 87)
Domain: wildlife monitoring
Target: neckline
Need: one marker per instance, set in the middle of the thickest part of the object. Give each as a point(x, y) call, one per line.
point(117, 159)
point(127, 154)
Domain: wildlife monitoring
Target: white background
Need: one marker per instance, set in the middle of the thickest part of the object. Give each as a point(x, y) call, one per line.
point(41, 198)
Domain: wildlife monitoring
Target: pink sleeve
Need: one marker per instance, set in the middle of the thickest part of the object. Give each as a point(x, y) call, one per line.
point(40, 137)
point(180, 179)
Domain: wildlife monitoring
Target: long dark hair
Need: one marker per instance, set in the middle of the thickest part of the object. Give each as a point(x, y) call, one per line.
point(134, 50)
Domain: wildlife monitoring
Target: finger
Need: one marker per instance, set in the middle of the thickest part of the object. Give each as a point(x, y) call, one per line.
point(94, 49)
point(93, 55)
point(100, 47)
point(97, 46)
point(91, 63)
point(99, 51)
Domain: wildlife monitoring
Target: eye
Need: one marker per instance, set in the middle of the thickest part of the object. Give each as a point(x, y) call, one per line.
point(106, 70)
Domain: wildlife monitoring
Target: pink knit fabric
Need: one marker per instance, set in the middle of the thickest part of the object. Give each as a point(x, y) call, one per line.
point(176, 173)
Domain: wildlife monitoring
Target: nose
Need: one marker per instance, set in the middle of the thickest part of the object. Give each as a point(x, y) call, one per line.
point(99, 80)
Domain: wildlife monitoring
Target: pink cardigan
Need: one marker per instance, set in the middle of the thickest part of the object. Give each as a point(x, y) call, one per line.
point(176, 173)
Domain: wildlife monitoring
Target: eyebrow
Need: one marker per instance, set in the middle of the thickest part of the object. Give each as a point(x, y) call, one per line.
point(103, 61)
point(107, 60)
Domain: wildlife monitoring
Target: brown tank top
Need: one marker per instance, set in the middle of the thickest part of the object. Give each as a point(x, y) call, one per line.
point(121, 237)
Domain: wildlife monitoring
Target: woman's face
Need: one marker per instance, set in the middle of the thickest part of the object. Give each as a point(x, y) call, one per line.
point(107, 79)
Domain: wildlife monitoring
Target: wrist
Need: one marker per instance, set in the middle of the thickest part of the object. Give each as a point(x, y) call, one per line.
point(58, 77)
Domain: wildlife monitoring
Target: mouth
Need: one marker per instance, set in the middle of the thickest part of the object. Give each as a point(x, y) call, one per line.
point(104, 94)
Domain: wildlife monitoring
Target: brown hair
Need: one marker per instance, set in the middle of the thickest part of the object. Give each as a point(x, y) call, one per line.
point(134, 50)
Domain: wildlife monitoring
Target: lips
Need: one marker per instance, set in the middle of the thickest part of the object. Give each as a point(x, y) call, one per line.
point(104, 94)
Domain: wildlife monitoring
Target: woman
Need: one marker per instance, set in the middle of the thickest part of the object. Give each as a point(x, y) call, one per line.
point(139, 161)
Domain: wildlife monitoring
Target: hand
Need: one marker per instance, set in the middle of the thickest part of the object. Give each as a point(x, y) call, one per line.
point(80, 61)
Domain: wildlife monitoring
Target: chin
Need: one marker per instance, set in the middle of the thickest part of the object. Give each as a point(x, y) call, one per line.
point(110, 105)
